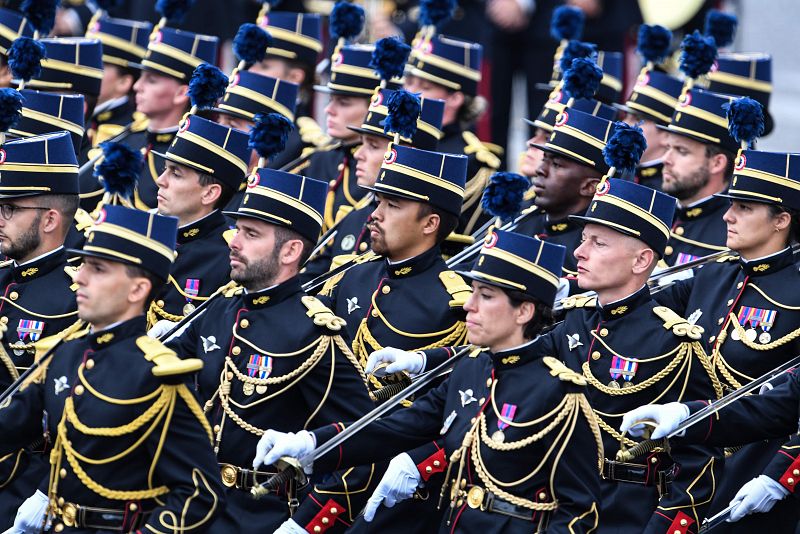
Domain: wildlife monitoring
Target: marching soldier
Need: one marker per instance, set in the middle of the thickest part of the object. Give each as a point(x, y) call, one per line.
point(498, 413)
point(743, 303)
point(36, 212)
point(205, 164)
point(275, 356)
point(292, 57)
point(130, 454)
point(627, 347)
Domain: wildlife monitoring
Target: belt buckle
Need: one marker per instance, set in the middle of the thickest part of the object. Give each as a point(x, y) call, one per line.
point(230, 474)
point(69, 514)
point(475, 497)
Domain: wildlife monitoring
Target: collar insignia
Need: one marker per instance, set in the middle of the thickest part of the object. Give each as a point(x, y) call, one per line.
point(191, 233)
point(510, 360)
point(402, 271)
point(105, 338)
point(30, 272)
point(619, 310)
point(758, 268)
point(261, 300)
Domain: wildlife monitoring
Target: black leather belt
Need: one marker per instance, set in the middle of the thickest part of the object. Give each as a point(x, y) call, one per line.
point(241, 478)
point(639, 474)
point(486, 501)
point(75, 515)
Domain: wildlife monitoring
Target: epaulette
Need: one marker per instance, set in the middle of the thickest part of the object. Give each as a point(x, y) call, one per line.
point(232, 292)
point(71, 271)
point(311, 132)
point(321, 314)
point(343, 211)
point(83, 220)
point(476, 351)
point(105, 132)
point(228, 235)
point(140, 122)
point(562, 372)
point(457, 287)
point(461, 239)
point(727, 257)
point(529, 195)
point(482, 152)
point(166, 361)
point(338, 261)
point(578, 301)
point(679, 326)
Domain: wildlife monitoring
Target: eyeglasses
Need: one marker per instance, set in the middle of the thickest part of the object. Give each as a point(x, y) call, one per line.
point(8, 210)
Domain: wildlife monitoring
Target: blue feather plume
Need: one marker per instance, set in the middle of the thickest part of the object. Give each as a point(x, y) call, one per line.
point(624, 149)
point(251, 42)
point(567, 23)
point(697, 54)
point(403, 111)
point(41, 14)
point(389, 57)
point(654, 42)
point(25, 57)
point(119, 169)
point(346, 20)
point(435, 12)
point(269, 134)
point(574, 50)
point(504, 194)
point(721, 26)
point(582, 79)
point(173, 10)
point(745, 120)
point(10, 108)
point(207, 85)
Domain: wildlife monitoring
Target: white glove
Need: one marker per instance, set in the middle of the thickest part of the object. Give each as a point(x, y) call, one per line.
point(757, 496)
point(274, 445)
point(160, 328)
point(398, 484)
point(30, 515)
point(399, 360)
point(290, 526)
point(563, 289)
point(666, 416)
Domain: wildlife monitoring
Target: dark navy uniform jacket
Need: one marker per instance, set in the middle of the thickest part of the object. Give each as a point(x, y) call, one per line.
point(201, 267)
point(520, 385)
point(286, 343)
point(697, 231)
point(756, 296)
point(633, 352)
point(650, 174)
point(165, 467)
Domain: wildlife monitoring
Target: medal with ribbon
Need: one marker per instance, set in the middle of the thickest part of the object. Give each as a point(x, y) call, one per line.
point(259, 367)
point(29, 330)
point(621, 367)
point(506, 414)
point(192, 289)
point(685, 258)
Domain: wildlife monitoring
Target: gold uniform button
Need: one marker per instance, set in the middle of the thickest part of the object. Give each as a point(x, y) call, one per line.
point(160, 303)
point(325, 520)
point(712, 339)
point(796, 472)
point(482, 400)
point(332, 183)
point(740, 285)
point(4, 320)
point(719, 321)
point(62, 473)
point(790, 481)
point(437, 463)
point(542, 496)
point(14, 295)
point(374, 313)
point(668, 250)
point(132, 507)
point(730, 301)
point(472, 421)
point(488, 382)
point(339, 167)
point(684, 522)
point(236, 351)
point(216, 429)
point(677, 532)
point(89, 364)
point(317, 528)
point(362, 247)
point(79, 390)
point(334, 510)
point(61, 501)
point(385, 290)
point(244, 323)
point(653, 460)
point(59, 527)
point(429, 469)
point(596, 355)
point(679, 230)
point(603, 332)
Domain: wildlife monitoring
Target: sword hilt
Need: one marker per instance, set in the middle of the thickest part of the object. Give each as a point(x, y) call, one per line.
point(387, 392)
point(290, 469)
point(640, 449)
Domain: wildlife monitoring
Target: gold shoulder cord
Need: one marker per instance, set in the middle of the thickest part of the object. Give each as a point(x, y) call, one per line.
point(563, 417)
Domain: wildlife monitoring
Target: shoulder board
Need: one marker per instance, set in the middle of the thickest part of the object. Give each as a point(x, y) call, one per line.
point(234, 291)
point(457, 287)
point(340, 260)
point(462, 239)
point(140, 122)
point(321, 314)
point(228, 235)
point(343, 212)
point(311, 132)
point(83, 220)
point(71, 271)
point(727, 257)
point(562, 372)
point(105, 132)
point(166, 362)
point(482, 152)
point(679, 326)
point(476, 351)
point(579, 301)
point(529, 195)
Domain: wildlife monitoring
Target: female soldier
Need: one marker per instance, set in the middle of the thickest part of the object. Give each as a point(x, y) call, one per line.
point(521, 443)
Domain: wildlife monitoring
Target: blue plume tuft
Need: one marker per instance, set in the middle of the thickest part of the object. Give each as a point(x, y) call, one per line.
point(435, 12)
point(574, 50)
point(251, 42)
point(269, 134)
point(347, 20)
point(106, 5)
point(173, 10)
point(207, 85)
point(10, 108)
point(119, 169)
point(25, 57)
point(41, 14)
point(654, 42)
point(721, 26)
point(567, 23)
point(745, 120)
point(389, 57)
point(625, 147)
point(582, 79)
point(504, 194)
point(403, 111)
point(697, 54)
